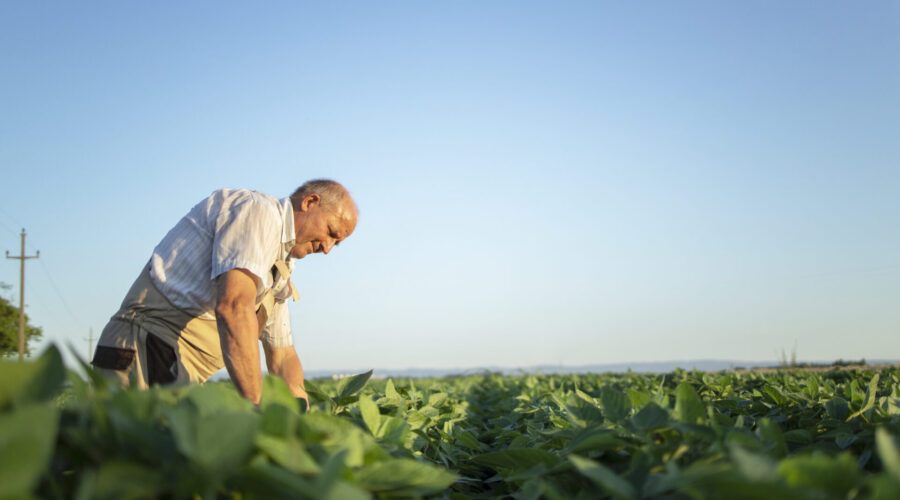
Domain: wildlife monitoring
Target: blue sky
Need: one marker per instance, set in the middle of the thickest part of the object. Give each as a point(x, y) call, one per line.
point(539, 182)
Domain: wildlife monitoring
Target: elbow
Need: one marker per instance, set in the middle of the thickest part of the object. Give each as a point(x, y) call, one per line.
point(234, 314)
point(225, 312)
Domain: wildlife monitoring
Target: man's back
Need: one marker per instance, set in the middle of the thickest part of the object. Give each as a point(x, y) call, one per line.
point(228, 229)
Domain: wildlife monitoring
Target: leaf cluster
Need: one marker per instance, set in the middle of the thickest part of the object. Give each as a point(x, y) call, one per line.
point(625, 436)
point(65, 437)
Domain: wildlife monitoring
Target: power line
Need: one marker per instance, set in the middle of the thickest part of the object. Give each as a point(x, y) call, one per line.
point(59, 294)
point(8, 229)
point(12, 219)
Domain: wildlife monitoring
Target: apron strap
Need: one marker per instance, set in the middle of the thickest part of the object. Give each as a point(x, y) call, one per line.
point(283, 269)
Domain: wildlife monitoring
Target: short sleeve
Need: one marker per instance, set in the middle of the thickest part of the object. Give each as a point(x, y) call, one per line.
point(277, 332)
point(246, 236)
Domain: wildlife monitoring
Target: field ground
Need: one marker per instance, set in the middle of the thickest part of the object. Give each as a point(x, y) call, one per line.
point(686, 434)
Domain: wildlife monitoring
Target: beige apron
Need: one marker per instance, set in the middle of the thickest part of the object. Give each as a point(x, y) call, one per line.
point(162, 344)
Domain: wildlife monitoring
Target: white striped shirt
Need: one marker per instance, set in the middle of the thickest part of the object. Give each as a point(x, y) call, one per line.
point(231, 229)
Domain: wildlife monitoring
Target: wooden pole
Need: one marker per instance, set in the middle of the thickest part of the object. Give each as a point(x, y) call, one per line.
point(22, 258)
point(90, 340)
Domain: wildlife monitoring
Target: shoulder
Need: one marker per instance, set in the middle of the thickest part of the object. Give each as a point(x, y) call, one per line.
point(227, 203)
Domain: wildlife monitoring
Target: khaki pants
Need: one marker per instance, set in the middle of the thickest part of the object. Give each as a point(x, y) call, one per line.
point(157, 341)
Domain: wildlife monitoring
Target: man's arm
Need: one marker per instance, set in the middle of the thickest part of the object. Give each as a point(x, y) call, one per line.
point(284, 362)
point(239, 330)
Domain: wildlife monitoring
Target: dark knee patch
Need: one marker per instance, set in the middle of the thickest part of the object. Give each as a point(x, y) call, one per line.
point(113, 358)
point(162, 364)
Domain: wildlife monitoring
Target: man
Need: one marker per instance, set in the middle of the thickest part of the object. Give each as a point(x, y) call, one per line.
point(218, 283)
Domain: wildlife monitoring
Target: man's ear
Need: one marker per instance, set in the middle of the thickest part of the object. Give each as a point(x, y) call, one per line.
point(310, 200)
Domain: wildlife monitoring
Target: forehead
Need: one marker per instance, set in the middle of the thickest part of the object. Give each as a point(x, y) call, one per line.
point(342, 219)
point(345, 218)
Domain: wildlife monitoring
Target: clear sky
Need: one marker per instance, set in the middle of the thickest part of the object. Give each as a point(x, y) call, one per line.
point(539, 182)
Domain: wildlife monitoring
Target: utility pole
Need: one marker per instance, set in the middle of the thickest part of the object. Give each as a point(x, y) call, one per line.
point(90, 340)
point(22, 258)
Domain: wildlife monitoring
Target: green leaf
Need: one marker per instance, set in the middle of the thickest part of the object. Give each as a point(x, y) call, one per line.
point(888, 451)
point(689, 407)
point(390, 391)
point(314, 392)
point(616, 404)
point(893, 406)
point(289, 454)
point(218, 443)
point(118, 479)
point(278, 421)
point(351, 385)
point(607, 480)
point(661, 397)
point(798, 436)
point(857, 397)
point(393, 430)
point(812, 387)
point(583, 412)
point(417, 419)
point(384, 427)
point(870, 398)
point(743, 438)
point(516, 459)
point(270, 481)
point(651, 417)
point(639, 398)
point(342, 490)
point(31, 381)
point(437, 399)
point(843, 441)
point(753, 466)
point(214, 398)
point(335, 434)
point(332, 469)
point(370, 414)
point(275, 391)
point(468, 440)
point(833, 476)
point(133, 418)
point(404, 477)
point(771, 435)
point(883, 487)
point(774, 395)
point(592, 439)
point(27, 439)
point(837, 408)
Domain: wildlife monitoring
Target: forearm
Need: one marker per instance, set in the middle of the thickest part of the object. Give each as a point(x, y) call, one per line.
point(284, 362)
point(238, 334)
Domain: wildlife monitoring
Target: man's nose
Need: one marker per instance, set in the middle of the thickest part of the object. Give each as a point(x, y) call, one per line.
point(327, 245)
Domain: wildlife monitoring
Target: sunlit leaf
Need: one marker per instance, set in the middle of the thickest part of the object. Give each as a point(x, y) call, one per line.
point(31, 381)
point(689, 408)
point(351, 385)
point(610, 482)
point(27, 437)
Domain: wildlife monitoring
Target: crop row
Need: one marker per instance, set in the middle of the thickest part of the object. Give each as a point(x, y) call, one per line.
point(625, 436)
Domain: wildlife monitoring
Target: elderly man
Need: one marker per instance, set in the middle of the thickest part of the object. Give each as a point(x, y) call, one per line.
point(218, 283)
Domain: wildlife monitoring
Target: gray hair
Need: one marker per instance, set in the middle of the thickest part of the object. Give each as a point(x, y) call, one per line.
point(332, 193)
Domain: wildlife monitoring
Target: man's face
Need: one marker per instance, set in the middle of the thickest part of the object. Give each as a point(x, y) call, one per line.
point(318, 229)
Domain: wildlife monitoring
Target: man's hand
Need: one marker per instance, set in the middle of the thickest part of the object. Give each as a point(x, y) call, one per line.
point(239, 330)
point(284, 362)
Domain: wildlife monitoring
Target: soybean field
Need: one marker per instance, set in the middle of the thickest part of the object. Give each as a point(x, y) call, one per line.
point(789, 434)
